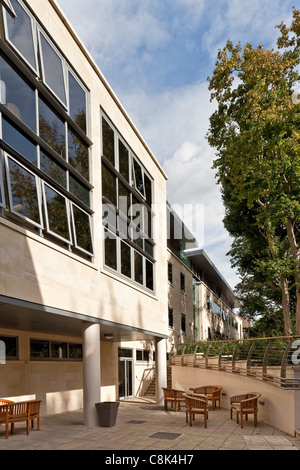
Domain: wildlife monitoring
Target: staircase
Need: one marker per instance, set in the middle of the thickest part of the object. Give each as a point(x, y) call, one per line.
point(151, 390)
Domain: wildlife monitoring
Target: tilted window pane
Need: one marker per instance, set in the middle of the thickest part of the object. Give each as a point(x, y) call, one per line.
point(108, 141)
point(109, 189)
point(79, 190)
point(52, 129)
point(123, 161)
point(125, 259)
point(149, 275)
point(138, 175)
point(49, 166)
point(23, 192)
point(57, 214)
point(17, 95)
point(124, 198)
point(53, 69)
point(82, 229)
point(78, 155)
point(18, 141)
point(138, 267)
point(20, 33)
point(110, 247)
point(148, 190)
point(77, 103)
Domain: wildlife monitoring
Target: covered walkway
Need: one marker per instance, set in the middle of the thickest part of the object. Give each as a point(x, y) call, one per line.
point(142, 425)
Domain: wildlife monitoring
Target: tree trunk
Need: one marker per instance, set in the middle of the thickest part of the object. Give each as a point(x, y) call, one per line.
point(296, 259)
point(285, 302)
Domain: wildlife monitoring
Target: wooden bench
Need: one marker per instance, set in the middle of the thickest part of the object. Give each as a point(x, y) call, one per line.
point(23, 411)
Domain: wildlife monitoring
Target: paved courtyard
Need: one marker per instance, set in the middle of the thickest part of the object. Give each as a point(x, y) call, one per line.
point(141, 425)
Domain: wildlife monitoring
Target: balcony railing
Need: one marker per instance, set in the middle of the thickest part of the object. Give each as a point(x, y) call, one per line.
point(272, 360)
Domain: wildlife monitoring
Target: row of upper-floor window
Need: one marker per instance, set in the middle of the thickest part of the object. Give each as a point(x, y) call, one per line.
point(26, 197)
point(26, 36)
point(170, 277)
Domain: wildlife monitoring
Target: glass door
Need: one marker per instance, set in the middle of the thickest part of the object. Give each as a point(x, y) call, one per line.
point(125, 373)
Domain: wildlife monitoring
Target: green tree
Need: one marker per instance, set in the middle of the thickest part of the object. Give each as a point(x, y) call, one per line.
point(256, 132)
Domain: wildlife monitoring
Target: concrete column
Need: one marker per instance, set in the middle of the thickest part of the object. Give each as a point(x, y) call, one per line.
point(161, 368)
point(91, 372)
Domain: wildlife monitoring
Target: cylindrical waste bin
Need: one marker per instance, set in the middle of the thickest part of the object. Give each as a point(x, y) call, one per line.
point(107, 413)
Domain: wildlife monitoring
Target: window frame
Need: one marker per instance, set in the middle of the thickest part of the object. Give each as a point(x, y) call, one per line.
point(2, 175)
point(47, 226)
point(56, 359)
point(170, 273)
point(183, 322)
point(34, 38)
point(170, 315)
point(16, 338)
point(40, 32)
point(72, 204)
point(86, 91)
point(8, 7)
point(10, 198)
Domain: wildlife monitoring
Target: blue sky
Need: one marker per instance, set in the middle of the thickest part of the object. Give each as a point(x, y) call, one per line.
point(156, 56)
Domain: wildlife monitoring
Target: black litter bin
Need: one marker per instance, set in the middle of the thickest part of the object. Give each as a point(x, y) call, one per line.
point(107, 413)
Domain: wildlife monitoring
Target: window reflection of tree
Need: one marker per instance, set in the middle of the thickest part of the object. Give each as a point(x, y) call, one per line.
point(78, 155)
point(24, 192)
point(57, 213)
point(82, 230)
point(52, 169)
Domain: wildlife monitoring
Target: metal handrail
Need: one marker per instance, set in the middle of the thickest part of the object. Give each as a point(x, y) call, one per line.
point(265, 359)
point(146, 372)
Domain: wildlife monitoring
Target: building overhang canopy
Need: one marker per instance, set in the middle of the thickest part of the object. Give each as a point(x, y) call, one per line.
point(20, 315)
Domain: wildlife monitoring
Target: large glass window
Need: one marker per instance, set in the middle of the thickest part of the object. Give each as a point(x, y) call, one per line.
point(125, 259)
point(109, 190)
point(49, 166)
point(52, 66)
point(78, 155)
point(17, 95)
point(78, 190)
point(11, 347)
point(52, 128)
point(149, 275)
point(18, 140)
point(108, 141)
point(110, 250)
point(20, 33)
point(57, 216)
point(23, 192)
point(138, 177)
point(138, 267)
point(124, 161)
point(77, 102)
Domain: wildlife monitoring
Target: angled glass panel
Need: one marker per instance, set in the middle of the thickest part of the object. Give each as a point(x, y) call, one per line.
point(52, 128)
point(2, 200)
point(19, 31)
point(79, 190)
point(17, 139)
point(78, 155)
point(138, 177)
point(52, 66)
point(49, 166)
point(125, 259)
point(82, 230)
point(23, 192)
point(108, 141)
point(109, 188)
point(149, 275)
point(77, 102)
point(138, 267)
point(123, 161)
point(8, 7)
point(110, 250)
point(148, 189)
point(17, 95)
point(57, 215)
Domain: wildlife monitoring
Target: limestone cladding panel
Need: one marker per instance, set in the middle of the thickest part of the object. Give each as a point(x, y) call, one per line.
point(180, 302)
